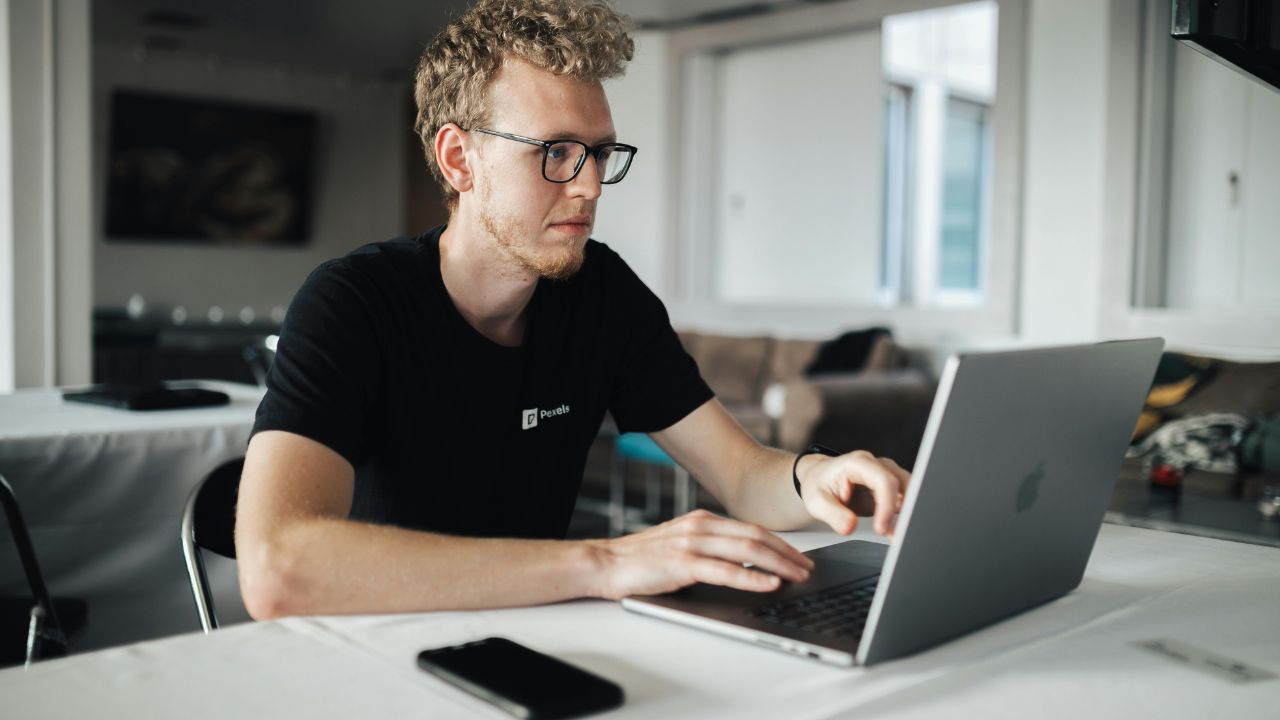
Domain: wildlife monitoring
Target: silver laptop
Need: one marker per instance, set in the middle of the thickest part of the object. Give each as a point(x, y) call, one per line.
point(1018, 462)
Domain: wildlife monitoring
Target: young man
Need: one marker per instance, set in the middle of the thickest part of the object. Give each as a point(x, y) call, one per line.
point(387, 473)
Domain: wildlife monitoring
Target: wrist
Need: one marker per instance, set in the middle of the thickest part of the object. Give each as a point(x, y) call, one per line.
point(595, 563)
point(807, 461)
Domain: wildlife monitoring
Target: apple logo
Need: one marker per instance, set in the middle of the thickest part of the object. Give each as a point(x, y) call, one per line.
point(1030, 488)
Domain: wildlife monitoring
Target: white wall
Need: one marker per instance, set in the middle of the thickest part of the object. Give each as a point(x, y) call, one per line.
point(631, 216)
point(1222, 252)
point(44, 248)
point(7, 298)
point(1063, 211)
point(798, 193)
point(358, 195)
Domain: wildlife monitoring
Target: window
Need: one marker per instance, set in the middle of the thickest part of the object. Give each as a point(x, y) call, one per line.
point(838, 164)
point(963, 196)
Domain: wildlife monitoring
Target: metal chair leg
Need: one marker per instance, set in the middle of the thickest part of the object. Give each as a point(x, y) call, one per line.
point(34, 629)
point(686, 497)
point(652, 493)
point(617, 497)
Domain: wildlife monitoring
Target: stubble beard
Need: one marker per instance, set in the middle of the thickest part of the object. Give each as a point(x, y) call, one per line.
point(562, 263)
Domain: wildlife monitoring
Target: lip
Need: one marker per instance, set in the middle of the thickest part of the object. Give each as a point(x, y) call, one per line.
point(576, 224)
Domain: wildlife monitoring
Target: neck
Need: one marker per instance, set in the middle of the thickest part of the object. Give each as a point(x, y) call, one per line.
point(490, 294)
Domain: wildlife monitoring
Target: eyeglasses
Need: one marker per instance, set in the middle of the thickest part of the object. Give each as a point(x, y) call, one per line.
point(563, 159)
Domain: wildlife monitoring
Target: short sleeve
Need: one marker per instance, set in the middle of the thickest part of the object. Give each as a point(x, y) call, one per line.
point(658, 383)
point(325, 375)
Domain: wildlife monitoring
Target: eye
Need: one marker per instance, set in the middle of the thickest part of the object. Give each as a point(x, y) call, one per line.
point(557, 152)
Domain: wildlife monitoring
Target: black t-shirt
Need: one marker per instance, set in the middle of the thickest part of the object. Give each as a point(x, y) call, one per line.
point(449, 431)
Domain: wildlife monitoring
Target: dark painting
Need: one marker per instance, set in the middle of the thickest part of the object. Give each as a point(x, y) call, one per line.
point(207, 171)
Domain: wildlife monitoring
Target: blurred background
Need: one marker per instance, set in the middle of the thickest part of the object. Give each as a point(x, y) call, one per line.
point(969, 174)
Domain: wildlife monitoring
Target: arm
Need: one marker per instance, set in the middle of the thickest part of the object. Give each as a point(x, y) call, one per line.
point(754, 484)
point(299, 554)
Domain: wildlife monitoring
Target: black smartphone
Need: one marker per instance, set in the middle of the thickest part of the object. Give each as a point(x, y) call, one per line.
point(521, 681)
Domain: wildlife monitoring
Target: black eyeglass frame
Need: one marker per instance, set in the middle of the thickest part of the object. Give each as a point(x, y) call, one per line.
point(594, 152)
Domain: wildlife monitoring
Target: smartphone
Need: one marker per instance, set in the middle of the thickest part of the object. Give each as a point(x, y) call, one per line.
point(521, 681)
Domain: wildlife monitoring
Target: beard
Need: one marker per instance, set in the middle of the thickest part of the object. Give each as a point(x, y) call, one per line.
point(560, 262)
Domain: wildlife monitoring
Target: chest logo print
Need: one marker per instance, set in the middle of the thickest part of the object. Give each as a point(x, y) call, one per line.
point(529, 418)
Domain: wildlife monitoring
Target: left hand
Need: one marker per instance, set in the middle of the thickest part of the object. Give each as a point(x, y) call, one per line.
point(836, 490)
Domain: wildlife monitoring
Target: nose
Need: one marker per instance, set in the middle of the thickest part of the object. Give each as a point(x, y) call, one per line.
point(587, 183)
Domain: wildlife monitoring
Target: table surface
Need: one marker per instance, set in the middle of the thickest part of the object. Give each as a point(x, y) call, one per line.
point(102, 491)
point(42, 413)
point(1075, 657)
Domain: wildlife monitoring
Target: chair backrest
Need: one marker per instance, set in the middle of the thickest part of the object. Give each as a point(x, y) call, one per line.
point(209, 523)
point(52, 628)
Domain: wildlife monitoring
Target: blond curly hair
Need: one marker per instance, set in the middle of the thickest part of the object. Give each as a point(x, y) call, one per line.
point(581, 39)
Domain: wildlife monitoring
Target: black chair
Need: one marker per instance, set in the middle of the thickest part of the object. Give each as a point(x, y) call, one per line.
point(39, 626)
point(209, 523)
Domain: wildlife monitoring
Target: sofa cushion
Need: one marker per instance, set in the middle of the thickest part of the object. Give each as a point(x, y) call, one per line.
point(790, 358)
point(734, 367)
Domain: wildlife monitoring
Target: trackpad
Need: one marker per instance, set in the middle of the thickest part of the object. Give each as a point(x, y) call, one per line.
point(859, 552)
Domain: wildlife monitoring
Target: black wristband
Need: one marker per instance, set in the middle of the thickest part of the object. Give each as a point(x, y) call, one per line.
point(814, 449)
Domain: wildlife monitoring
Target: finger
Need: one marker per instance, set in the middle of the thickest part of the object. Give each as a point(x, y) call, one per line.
point(719, 572)
point(827, 507)
point(904, 477)
point(883, 485)
point(746, 550)
point(706, 523)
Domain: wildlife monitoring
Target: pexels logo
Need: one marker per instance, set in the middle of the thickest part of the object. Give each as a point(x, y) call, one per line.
point(529, 418)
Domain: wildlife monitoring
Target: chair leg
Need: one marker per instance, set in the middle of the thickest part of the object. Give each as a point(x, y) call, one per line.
point(686, 497)
point(617, 496)
point(652, 494)
point(34, 630)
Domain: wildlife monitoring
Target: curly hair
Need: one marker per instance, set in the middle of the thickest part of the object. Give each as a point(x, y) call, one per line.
point(581, 39)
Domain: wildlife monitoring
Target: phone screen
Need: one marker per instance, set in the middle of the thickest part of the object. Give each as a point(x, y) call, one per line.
point(521, 681)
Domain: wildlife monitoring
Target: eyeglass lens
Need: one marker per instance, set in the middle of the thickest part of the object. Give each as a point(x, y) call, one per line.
point(563, 161)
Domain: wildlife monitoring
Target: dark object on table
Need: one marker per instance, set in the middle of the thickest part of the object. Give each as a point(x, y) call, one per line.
point(521, 681)
point(37, 626)
point(209, 523)
point(148, 397)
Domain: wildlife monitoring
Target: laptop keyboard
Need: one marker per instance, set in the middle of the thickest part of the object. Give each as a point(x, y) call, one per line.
point(839, 611)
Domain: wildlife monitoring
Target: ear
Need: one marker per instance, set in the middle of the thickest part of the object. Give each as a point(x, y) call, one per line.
point(451, 155)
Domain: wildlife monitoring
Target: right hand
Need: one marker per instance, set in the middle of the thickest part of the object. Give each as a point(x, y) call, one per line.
point(698, 547)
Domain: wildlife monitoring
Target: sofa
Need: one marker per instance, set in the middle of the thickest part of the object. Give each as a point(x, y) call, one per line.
point(761, 381)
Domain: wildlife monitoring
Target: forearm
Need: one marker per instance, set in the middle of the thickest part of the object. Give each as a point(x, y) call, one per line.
point(764, 493)
point(334, 566)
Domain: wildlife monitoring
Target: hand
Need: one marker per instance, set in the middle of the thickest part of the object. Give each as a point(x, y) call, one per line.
point(836, 490)
point(698, 547)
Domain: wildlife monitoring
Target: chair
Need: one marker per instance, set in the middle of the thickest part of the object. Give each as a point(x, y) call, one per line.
point(638, 447)
point(259, 355)
point(48, 625)
point(209, 523)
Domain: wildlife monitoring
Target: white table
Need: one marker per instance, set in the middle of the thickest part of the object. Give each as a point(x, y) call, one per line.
point(102, 491)
point(1072, 658)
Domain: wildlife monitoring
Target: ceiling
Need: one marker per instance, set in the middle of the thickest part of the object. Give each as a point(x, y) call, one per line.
point(366, 38)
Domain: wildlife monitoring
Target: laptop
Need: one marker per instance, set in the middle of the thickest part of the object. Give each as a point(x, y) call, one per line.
point(1019, 458)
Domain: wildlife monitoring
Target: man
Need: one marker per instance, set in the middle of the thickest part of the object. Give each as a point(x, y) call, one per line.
point(387, 473)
